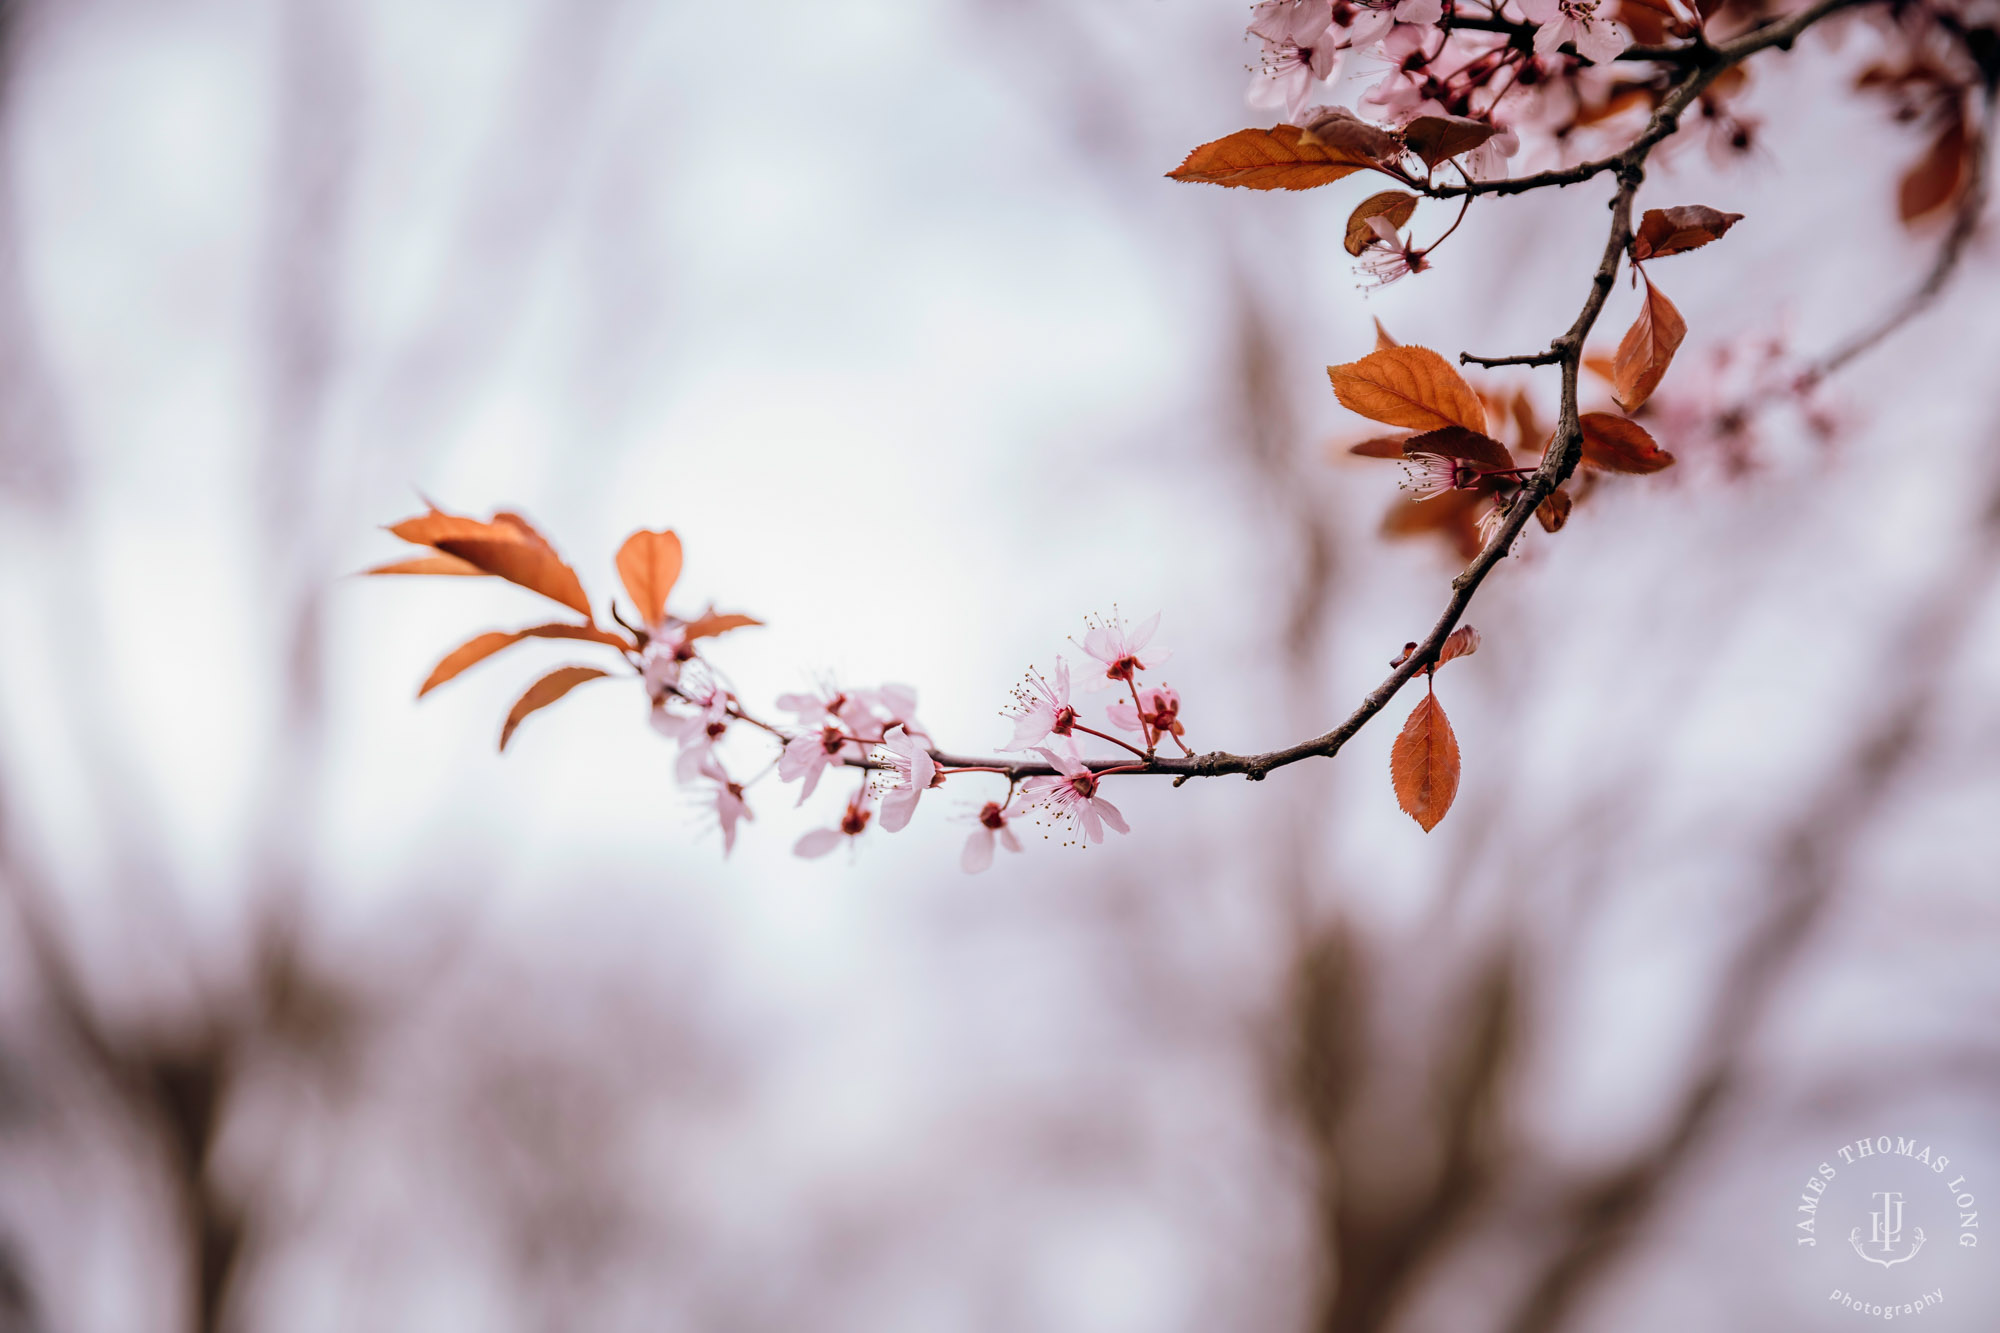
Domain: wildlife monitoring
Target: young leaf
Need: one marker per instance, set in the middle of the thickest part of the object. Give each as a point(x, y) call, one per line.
point(1613, 444)
point(1273, 159)
point(477, 649)
point(545, 692)
point(1423, 764)
point(1461, 642)
point(1671, 231)
point(1647, 349)
point(650, 564)
point(1438, 138)
point(710, 624)
point(1554, 511)
point(1393, 206)
point(1458, 442)
point(1408, 386)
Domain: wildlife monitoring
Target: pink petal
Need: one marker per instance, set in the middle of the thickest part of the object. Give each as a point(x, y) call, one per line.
point(818, 843)
point(1098, 805)
point(978, 851)
point(898, 806)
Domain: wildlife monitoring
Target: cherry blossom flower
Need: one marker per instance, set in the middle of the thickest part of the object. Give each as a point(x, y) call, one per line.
point(911, 761)
point(666, 653)
point(807, 756)
point(992, 828)
point(1071, 793)
point(1598, 40)
point(1298, 52)
point(1156, 714)
point(1398, 23)
point(1120, 649)
point(815, 708)
point(729, 803)
point(1389, 257)
point(1045, 709)
point(1431, 475)
point(696, 715)
point(875, 712)
point(853, 821)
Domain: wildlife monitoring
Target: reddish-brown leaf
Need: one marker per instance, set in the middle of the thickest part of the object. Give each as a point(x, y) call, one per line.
point(1394, 207)
point(650, 564)
point(1423, 764)
point(1554, 511)
point(1437, 138)
point(529, 564)
point(1339, 130)
point(1461, 642)
point(1382, 338)
point(477, 649)
point(545, 692)
point(1452, 518)
point(1601, 365)
point(1938, 177)
point(1613, 444)
point(1672, 231)
point(1273, 159)
point(1458, 442)
point(1647, 349)
point(1529, 437)
point(1408, 386)
point(508, 548)
point(1381, 446)
point(428, 564)
point(710, 623)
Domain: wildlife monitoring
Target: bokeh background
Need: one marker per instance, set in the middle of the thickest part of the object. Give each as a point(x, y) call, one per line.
point(317, 1014)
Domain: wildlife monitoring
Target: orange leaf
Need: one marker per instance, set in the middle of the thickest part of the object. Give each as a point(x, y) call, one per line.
point(1614, 444)
point(508, 548)
point(1461, 642)
point(1273, 159)
point(1382, 338)
point(1395, 206)
point(1408, 386)
point(710, 624)
point(1457, 442)
point(1647, 349)
point(427, 564)
point(1436, 138)
point(650, 564)
point(481, 647)
point(1554, 511)
point(527, 564)
point(545, 692)
point(1423, 764)
point(1671, 231)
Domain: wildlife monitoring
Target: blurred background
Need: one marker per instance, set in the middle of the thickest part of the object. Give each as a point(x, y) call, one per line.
point(315, 1013)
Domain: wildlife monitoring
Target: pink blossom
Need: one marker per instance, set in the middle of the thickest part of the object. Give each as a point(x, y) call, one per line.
point(1298, 52)
point(1597, 40)
point(1389, 257)
point(696, 715)
point(874, 712)
point(1156, 714)
point(729, 803)
point(853, 821)
point(1045, 709)
point(911, 761)
point(1072, 793)
point(979, 846)
point(1120, 649)
point(1431, 475)
point(807, 756)
point(660, 665)
point(1399, 24)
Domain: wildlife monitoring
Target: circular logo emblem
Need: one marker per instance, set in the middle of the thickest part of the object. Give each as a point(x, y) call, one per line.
point(1890, 1226)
